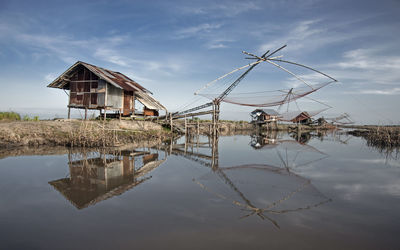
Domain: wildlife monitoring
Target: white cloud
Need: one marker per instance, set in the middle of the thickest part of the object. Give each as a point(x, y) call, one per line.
point(228, 9)
point(218, 43)
point(50, 77)
point(198, 29)
point(110, 55)
point(393, 91)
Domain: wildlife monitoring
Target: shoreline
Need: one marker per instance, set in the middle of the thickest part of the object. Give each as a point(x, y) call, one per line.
point(96, 133)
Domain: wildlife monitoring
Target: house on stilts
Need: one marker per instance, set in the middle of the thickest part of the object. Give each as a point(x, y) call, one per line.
point(264, 116)
point(95, 88)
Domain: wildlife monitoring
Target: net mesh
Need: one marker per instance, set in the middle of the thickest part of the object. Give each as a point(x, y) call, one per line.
point(268, 98)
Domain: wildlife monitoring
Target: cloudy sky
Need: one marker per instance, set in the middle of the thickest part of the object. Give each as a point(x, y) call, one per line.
point(175, 47)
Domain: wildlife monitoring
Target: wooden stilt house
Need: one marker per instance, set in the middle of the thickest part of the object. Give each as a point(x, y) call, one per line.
point(302, 117)
point(92, 87)
point(264, 115)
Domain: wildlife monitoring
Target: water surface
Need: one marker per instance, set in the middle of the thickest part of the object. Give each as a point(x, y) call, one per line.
point(237, 192)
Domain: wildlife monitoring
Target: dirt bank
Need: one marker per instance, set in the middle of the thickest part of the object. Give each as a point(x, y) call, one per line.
point(78, 133)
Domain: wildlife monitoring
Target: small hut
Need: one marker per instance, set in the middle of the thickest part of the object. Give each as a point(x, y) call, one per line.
point(302, 117)
point(95, 88)
point(264, 116)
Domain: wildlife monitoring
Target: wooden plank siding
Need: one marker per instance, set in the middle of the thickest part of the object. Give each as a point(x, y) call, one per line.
point(84, 90)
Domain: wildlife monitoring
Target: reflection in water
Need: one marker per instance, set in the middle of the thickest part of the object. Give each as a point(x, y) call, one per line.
point(257, 189)
point(194, 149)
point(97, 176)
point(291, 153)
point(260, 188)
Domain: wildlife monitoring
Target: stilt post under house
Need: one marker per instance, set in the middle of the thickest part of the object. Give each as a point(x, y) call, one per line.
point(170, 121)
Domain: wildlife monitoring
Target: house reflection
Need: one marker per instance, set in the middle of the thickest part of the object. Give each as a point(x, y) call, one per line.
point(200, 149)
point(97, 176)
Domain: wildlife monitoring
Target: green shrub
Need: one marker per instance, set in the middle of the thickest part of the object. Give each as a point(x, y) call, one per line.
point(12, 116)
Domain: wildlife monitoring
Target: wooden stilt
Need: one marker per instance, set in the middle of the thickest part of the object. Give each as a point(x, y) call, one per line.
point(69, 112)
point(85, 114)
point(186, 130)
point(105, 115)
point(170, 122)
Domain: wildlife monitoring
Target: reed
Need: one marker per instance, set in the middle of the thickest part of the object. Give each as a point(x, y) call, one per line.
point(90, 134)
point(385, 139)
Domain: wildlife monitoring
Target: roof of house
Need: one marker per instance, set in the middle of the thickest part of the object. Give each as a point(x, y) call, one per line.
point(117, 79)
point(266, 111)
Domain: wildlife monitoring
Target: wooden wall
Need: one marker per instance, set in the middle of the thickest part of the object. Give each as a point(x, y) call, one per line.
point(86, 90)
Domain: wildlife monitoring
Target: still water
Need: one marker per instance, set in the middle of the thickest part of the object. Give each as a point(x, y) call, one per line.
point(235, 192)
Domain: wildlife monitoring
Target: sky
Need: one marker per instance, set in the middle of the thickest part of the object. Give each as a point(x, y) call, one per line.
point(173, 48)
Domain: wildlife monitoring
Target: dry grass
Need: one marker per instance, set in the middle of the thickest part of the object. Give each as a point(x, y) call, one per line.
point(77, 133)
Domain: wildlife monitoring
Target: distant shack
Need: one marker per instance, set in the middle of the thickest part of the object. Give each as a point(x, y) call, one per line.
point(94, 88)
point(266, 116)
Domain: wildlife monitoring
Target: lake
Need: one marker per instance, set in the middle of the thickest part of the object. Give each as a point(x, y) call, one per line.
point(270, 191)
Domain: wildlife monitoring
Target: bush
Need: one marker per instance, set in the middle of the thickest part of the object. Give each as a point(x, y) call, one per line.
point(12, 116)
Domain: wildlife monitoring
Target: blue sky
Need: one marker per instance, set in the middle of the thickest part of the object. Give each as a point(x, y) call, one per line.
point(175, 47)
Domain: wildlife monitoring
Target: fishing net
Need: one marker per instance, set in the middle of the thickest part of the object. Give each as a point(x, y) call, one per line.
point(268, 98)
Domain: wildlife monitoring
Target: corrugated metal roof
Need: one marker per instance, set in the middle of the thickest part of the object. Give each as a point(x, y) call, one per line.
point(148, 101)
point(117, 79)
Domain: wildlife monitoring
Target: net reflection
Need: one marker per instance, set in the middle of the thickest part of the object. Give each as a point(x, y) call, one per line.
point(266, 190)
point(287, 153)
point(99, 175)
